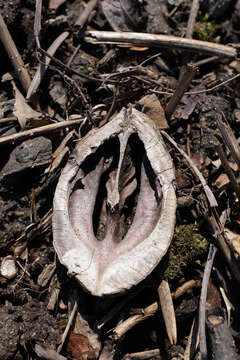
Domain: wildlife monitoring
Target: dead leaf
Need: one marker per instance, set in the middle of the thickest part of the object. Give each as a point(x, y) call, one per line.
point(122, 15)
point(153, 108)
point(79, 348)
point(189, 103)
point(22, 110)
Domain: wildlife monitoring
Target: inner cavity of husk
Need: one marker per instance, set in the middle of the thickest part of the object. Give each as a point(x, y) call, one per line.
point(115, 199)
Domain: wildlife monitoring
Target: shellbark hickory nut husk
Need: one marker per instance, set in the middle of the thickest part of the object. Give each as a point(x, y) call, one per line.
point(110, 266)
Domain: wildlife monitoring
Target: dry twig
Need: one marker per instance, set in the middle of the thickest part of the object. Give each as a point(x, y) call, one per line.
point(148, 312)
point(24, 135)
point(37, 21)
point(228, 170)
point(14, 55)
point(228, 138)
point(218, 234)
point(211, 198)
point(172, 42)
point(183, 84)
point(44, 62)
point(83, 17)
point(203, 297)
point(168, 312)
point(192, 19)
point(148, 354)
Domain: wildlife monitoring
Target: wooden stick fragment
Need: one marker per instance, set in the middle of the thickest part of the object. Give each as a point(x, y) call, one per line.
point(143, 355)
point(203, 297)
point(24, 135)
point(189, 32)
point(83, 17)
point(183, 84)
point(184, 288)
point(211, 198)
point(192, 19)
point(69, 324)
point(156, 40)
point(228, 170)
point(6, 120)
point(148, 312)
point(14, 55)
point(218, 234)
point(37, 21)
point(168, 312)
point(132, 321)
point(44, 62)
point(229, 138)
point(193, 340)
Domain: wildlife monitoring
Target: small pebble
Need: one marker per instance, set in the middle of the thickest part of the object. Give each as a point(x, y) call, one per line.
point(8, 267)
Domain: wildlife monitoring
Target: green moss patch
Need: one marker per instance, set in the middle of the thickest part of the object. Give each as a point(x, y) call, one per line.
point(188, 245)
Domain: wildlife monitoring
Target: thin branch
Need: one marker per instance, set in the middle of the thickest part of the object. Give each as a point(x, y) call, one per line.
point(211, 198)
point(147, 313)
point(39, 131)
point(203, 297)
point(72, 71)
point(14, 55)
point(229, 138)
point(183, 84)
point(37, 21)
point(44, 62)
point(84, 101)
point(156, 40)
point(8, 119)
point(69, 324)
point(83, 18)
point(228, 170)
point(189, 32)
point(206, 61)
point(143, 355)
point(192, 19)
point(195, 92)
point(166, 302)
point(218, 234)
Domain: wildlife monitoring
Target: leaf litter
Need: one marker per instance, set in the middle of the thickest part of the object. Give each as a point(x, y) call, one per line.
point(115, 181)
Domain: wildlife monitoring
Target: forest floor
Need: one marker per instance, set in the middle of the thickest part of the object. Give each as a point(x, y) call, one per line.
point(72, 81)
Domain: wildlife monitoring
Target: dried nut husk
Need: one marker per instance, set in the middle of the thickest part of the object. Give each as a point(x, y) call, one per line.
point(8, 267)
point(113, 264)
